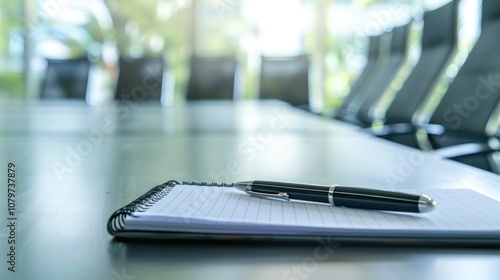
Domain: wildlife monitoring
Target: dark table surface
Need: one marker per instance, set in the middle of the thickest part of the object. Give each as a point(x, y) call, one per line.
point(76, 164)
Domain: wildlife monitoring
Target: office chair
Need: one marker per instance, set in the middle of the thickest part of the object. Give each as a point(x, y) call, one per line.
point(66, 78)
point(212, 78)
point(375, 59)
point(438, 47)
point(286, 79)
point(458, 126)
point(140, 79)
point(371, 94)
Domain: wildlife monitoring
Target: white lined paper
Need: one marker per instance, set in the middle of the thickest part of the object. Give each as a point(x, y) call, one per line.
point(188, 208)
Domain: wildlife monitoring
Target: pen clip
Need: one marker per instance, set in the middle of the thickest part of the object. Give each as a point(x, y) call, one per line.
point(278, 196)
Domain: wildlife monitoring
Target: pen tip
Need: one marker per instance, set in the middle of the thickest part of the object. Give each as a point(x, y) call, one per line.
point(246, 183)
point(426, 204)
point(243, 186)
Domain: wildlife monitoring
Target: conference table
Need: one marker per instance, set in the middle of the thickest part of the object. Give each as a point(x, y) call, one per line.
point(76, 164)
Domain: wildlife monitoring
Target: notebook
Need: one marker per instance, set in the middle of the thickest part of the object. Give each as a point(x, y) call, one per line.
point(218, 211)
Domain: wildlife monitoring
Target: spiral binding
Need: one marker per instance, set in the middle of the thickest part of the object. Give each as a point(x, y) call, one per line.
point(116, 222)
point(208, 184)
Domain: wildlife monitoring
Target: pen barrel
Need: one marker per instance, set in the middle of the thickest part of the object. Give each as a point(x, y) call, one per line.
point(375, 199)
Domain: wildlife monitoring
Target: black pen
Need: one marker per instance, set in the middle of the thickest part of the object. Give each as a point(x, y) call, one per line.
point(340, 196)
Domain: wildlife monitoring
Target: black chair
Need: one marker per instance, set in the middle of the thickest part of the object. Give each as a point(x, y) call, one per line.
point(212, 78)
point(66, 78)
point(286, 79)
point(140, 79)
point(375, 59)
point(458, 126)
point(438, 47)
point(371, 94)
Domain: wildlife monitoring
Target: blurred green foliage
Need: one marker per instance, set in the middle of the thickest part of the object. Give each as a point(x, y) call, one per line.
point(11, 77)
point(11, 17)
point(11, 84)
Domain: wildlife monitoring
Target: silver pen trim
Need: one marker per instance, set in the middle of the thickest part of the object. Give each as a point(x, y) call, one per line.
point(278, 196)
point(330, 194)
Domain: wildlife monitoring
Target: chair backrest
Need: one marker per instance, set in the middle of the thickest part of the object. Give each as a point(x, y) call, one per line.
point(140, 79)
point(286, 79)
point(66, 79)
point(371, 94)
point(439, 44)
point(212, 78)
point(375, 58)
point(472, 96)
